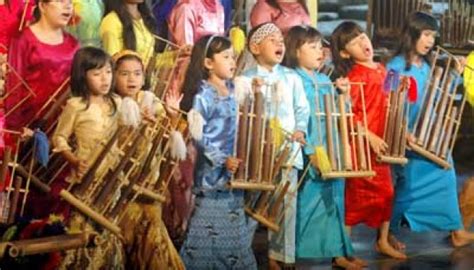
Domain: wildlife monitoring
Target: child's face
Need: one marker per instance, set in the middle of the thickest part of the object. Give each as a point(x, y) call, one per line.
point(99, 80)
point(129, 78)
point(426, 42)
point(310, 55)
point(270, 51)
point(222, 64)
point(359, 49)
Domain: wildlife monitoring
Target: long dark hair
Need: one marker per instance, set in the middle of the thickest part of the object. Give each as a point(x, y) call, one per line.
point(415, 23)
point(128, 35)
point(274, 4)
point(296, 37)
point(343, 34)
point(85, 59)
point(196, 71)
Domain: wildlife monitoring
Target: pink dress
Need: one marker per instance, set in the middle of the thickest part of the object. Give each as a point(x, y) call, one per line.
point(43, 67)
point(191, 19)
point(292, 14)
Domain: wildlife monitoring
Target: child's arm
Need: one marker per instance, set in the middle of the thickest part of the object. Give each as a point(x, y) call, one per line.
point(301, 111)
point(61, 136)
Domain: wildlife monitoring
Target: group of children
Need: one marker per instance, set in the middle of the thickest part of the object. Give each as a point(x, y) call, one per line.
point(320, 215)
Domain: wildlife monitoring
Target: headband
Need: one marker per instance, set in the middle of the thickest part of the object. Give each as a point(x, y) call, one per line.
point(262, 32)
point(208, 43)
point(123, 53)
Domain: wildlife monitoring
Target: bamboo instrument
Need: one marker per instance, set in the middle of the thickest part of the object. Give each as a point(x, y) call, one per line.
point(52, 244)
point(439, 115)
point(14, 202)
point(449, 132)
point(346, 153)
point(329, 129)
point(4, 168)
point(255, 152)
point(242, 140)
point(360, 147)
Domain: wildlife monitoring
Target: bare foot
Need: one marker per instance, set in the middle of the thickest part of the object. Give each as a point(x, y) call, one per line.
point(359, 261)
point(393, 241)
point(461, 238)
point(344, 263)
point(273, 264)
point(385, 248)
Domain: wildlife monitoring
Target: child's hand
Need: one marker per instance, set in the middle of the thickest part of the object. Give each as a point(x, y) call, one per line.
point(81, 167)
point(172, 101)
point(148, 115)
point(343, 84)
point(376, 143)
point(410, 138)
point(298, 136)
point(232, 164)
point(186, 50)
point(459, 64)
point(26, 134)
point(257, 83)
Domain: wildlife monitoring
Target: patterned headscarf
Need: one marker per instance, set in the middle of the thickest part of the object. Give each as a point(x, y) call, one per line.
point(262, 32)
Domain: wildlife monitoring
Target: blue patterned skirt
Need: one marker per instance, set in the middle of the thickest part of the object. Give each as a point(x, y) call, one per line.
point(219, 234)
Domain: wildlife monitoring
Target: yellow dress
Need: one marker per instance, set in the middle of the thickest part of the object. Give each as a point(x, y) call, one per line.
point(90, 127)
point(111, 32)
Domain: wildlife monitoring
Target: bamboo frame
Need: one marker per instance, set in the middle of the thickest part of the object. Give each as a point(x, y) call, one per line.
point(439, 119)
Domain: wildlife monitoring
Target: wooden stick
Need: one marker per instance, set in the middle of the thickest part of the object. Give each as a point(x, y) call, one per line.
point(14, 202)
point(281, 159)
point(346, 152)
point(329, 131)
point(400, 114)
point(267, 154)
point(4, 168)
point(439, 115)
point(391, 121)
point(273, 212)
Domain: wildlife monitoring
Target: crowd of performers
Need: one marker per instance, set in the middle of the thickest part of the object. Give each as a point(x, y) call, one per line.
point(102, 51)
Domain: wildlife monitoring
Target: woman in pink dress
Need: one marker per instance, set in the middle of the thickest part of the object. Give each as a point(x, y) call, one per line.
point(41, 56)
point(285, 14)
point(188, 22)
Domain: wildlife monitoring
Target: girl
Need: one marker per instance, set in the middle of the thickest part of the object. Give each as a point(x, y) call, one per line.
point(218, 236)
point(367, 201)
point(421, 184)
point(42, 56)
point(91, 117)
point(191, 20)
point(285, 14)
point(130, 78)
point(320, 202)
point(88, 15)
point(128, 24)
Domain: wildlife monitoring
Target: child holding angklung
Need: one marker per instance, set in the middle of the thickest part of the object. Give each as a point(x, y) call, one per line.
point(421, 185)
point(288, 105)
point(367, 200)
point(147, 243)
point(218, 235)
point(320, 206)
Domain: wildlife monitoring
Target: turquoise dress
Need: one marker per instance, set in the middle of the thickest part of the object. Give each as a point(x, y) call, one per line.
point(425, 194)
point(320, 229)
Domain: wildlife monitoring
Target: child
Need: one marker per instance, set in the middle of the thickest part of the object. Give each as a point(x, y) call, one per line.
point(130, 79)
point(218, 235)
point(91, 117)
point(367, 200)
point(421, 185)
point(320, 202)
point(289, 106)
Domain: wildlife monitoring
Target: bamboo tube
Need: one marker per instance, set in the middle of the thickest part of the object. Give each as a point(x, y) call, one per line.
point(166, 169)
point(242, 139)
point(4, 168)
point(400, 114)
point(88, 178)
point(255, 153)
point(280, 160)
point(51, 244)
point(14, 203)
point(361, 148)
point(439, 117)
point(273, 212)
point(107, 189)
point(267, 154)
point(262, 202)
point(428, 106)
point(86, 210)
point(403, 139)
point(329, 131)
point(391, 120)
point(346, 152)
point(387, 114)
point(449, 132)
point(35, 180)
